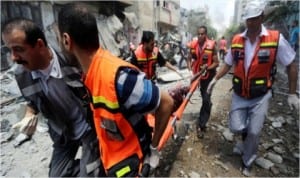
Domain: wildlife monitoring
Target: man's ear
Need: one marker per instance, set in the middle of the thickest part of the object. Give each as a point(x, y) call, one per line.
point(66, 41)
point(40, 43)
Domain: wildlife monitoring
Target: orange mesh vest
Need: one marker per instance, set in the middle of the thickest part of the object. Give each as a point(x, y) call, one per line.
point(204, 56)
point(260, 76)
point(117, 137)
point(147, 62)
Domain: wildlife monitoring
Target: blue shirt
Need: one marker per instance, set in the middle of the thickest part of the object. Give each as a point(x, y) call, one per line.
point(294, 37)
point(136, 93)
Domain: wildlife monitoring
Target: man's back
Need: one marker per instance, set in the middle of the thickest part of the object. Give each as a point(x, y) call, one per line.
point(222, 44)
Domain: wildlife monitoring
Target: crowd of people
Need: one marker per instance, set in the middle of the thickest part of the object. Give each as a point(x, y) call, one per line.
point(97, 101)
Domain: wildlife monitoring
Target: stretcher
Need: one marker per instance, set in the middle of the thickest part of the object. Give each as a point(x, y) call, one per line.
point(177, 115)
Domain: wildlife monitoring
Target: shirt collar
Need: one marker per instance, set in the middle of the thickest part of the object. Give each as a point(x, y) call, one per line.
point(264, 32)
point(52, 70)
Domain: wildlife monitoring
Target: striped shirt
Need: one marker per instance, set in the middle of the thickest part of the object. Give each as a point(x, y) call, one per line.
point(136, 93)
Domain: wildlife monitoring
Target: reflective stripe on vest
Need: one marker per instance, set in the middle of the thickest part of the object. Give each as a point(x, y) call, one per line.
point(208, 52)
point(118, 139)
point(99, 101)
point(262, 69)
point(33, 87)
point(146, 63)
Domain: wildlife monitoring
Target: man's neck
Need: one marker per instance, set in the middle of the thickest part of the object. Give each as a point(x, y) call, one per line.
point(253, 35)
point(144, 49)
point(201, 43)
point(85, 58)
point(48, 56)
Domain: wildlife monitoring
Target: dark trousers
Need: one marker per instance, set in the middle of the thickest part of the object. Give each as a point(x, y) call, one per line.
point(222, 54)
point(206, 101)
point(63, 162)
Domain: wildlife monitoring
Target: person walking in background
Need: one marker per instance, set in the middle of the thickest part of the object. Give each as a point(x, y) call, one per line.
point(253, 54)
point(120, 97)
point(204, 53)
point(147, 55)
point(53, 87)
point(222, 48)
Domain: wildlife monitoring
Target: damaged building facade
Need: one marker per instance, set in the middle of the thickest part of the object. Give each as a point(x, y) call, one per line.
point(119, 22)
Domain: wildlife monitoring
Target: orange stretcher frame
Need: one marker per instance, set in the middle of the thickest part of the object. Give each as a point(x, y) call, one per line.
point(177, 115)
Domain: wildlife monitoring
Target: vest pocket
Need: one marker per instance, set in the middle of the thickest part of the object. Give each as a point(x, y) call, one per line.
point(111, 129)
point(263, 56)
point(258, 87)
point(142, 130)
point(237, 85)
point(238, 55)
point(128, 167)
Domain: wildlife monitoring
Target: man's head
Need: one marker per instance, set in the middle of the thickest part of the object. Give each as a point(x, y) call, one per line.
point(148, 41)
point(253, 15)
point(27, 43)
point(78, 27)
point(253, 9)
point(202, 34)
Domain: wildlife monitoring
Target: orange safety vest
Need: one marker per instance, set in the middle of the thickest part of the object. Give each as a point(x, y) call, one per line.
point(147, 63)
point(121, 139)
point(260, 76)
point(204, 56)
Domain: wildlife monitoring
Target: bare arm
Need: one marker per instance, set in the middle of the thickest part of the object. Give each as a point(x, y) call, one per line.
point(292, 77)
point(224, 69)
point(170, 66)
point(189, 61)
point(215, 63)
point(162, 116)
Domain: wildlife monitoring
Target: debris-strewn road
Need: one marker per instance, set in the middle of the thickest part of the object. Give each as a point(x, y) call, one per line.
point(212, 156)
point(187, 157)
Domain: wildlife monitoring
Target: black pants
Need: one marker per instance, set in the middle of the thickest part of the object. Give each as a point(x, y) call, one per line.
point(63, 162)
point(222, 54)
point(206, 101)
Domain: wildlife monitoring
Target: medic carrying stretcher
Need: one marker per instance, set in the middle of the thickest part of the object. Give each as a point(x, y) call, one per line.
point(187, 92)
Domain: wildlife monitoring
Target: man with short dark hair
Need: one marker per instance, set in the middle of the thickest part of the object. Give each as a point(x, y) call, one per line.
point(146, 56)
point(53, 87)
point(120, 96)
point(203, 51)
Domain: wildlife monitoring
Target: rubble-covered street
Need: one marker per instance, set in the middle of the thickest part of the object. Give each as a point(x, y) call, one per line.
point(212, 156)
point(188, 156)
point(121, 25)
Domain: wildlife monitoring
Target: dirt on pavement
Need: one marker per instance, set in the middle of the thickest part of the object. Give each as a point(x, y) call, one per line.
point(212, 156)
point(187, 156)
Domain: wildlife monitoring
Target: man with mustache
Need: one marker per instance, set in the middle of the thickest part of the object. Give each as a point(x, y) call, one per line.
point(53, 87)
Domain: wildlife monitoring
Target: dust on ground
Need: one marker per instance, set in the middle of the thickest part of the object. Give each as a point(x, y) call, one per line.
point(212, 156)
point(187, 156)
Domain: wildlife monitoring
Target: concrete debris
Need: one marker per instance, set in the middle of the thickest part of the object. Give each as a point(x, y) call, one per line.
point(274, 157)
point(264, 163)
